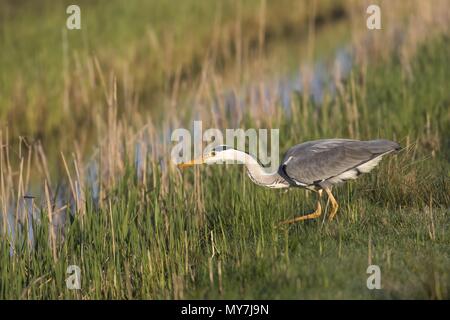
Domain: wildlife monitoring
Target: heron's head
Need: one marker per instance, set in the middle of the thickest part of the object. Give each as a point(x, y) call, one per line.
point(218, 154)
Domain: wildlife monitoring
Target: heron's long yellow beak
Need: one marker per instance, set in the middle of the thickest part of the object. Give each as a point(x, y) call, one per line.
point(191, 163)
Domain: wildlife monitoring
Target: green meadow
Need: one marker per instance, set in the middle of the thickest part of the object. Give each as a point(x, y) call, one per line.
point(147, 230)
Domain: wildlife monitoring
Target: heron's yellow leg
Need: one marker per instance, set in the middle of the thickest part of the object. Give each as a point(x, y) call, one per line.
point(313, 215)
point(334, 204)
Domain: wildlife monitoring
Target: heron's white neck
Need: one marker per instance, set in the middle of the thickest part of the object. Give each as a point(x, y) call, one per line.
point(255, 171)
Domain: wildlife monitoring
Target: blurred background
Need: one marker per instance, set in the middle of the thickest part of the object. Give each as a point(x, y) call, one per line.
point(86, 118)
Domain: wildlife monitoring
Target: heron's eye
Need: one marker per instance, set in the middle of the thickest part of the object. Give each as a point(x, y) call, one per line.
point(213, 153)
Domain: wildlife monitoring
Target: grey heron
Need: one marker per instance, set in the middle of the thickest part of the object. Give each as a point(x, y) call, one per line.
point(314, 165)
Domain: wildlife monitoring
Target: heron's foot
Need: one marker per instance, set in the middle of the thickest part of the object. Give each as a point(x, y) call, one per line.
point(313, 215)
point(334, 204)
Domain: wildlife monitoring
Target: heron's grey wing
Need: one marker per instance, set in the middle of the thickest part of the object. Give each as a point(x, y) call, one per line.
point(312, 162)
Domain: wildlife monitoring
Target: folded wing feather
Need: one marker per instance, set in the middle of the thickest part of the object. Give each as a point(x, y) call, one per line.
point(334, 160)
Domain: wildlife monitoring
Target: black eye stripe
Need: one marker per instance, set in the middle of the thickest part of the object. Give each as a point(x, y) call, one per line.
point(221, 148)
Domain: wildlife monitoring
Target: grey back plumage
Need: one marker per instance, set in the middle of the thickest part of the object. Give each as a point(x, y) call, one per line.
point(319, 162)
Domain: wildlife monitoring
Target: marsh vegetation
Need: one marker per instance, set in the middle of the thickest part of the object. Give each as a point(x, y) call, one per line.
point(86, 177)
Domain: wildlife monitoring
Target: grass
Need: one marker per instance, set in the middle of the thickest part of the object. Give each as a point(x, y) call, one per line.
point(210, 233)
